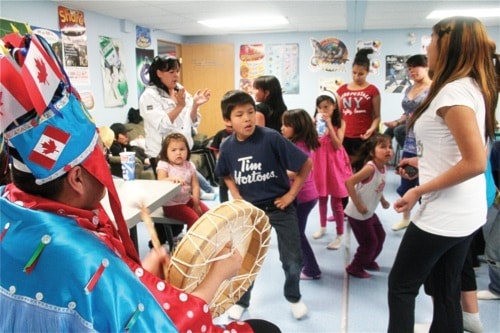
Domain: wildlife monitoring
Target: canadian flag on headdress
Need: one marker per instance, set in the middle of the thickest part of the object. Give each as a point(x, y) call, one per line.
point(14, 39)
point(41, 75)
point(49, 147)
point(14, 99)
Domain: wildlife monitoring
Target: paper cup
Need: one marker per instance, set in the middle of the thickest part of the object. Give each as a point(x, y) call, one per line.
point(128, 165)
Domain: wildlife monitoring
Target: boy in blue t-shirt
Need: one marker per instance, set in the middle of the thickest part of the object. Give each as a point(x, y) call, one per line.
point(253, 162)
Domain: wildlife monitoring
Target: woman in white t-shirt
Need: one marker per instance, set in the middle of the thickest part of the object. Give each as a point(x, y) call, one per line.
point(451, 128)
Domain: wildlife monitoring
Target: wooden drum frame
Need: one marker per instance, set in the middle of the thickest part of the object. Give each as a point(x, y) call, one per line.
point(238, 221)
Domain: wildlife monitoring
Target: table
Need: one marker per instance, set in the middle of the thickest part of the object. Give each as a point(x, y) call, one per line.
point(153, 193)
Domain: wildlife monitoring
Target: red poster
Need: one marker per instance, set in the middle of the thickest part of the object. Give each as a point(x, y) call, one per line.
point(74, 39)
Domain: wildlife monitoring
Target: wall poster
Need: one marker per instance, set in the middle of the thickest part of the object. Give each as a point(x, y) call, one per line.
point(143, 59)
point(280, 60)
point(113, 72)
point(329, 55)
point(375, 45)
point(74, 42)
point(396, 74)
point(283, 62)
point(142, 37)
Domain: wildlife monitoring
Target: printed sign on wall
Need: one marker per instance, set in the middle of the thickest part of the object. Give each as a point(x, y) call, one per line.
point(74, 41)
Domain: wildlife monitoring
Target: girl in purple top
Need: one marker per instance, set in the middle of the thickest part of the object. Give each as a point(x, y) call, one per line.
point(297, 126)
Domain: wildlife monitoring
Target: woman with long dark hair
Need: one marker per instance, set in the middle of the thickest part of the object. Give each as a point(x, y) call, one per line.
point(452, 127)
point(269, 96)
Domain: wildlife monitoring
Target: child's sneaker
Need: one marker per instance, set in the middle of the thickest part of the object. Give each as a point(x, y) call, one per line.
point(304, 276)
point(318, 234)
point(299, 309)
point(336, 243)
point(359, 273)
point(400, 225)
point(422, 328)
point(235, 312)
point(487, 295)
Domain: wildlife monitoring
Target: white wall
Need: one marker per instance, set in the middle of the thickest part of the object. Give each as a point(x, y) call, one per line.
point(44, 13)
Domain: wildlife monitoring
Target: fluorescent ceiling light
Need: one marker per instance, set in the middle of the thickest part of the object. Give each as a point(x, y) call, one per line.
point(246, 22)
point(486, 12)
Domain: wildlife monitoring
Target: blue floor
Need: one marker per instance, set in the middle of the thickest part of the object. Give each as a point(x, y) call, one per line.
point(337, 302)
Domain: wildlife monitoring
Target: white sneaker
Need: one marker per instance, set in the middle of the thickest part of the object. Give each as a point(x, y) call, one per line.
point(235, 312)
point(318, 234)
point(487, 295)
point(299, 309)
point(400, 225)
point(336, 243)
point(422, 328)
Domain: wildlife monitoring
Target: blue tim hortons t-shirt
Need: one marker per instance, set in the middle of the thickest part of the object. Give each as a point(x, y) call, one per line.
point(258, 165)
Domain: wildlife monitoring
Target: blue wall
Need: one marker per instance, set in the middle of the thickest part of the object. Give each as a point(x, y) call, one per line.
point(44, 13)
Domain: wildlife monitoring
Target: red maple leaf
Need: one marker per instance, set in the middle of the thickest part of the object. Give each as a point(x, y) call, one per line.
point(49, 147)
point(42, 71)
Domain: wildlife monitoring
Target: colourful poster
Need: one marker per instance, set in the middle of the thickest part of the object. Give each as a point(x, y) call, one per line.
point(396, 74)
point(74, 42)
point(143, 59)
point(113, 72)
point(53, 37)
point(142, 37)
point(251, 65)
point(7, 26)
point(375, 45)
point(282, 61)
point(330, 84)
point(329, 55)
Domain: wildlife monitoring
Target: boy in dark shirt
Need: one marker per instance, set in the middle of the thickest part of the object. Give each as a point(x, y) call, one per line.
point(254, 163)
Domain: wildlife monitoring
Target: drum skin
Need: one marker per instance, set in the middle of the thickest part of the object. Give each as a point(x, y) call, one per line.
point(238, 221)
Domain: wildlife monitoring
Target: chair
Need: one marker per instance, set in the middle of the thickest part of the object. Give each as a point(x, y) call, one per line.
point(158, 217)
point(204, 158)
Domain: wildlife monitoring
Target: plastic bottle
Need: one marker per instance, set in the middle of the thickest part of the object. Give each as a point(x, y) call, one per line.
point(320, 126)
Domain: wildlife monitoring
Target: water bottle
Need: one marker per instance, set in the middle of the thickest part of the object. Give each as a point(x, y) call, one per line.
point(320, 126)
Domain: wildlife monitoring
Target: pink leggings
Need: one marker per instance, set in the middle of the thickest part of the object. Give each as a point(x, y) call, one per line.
point(338, 212)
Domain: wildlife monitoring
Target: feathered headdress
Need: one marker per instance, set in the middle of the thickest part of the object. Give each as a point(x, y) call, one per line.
point(46, 127)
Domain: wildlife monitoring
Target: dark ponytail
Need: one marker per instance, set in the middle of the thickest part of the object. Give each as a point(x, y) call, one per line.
point(362, 59)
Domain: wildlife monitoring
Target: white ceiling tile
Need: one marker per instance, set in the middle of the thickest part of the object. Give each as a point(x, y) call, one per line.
point(181, 17)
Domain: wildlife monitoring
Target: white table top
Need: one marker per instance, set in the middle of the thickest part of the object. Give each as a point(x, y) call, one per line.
point(153, 193)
